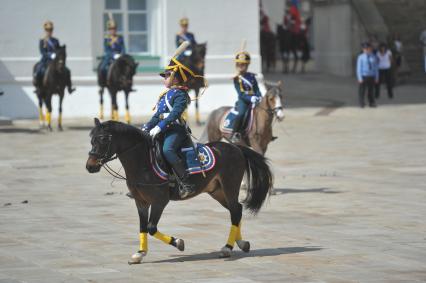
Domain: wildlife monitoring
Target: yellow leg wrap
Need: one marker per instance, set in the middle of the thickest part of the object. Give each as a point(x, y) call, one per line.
point(143, 246)
point(232, 235)
point(115, 115)
point(60, 119)
point(101, 112)
point(48, 117)
point(164, 238)
point(40, 114)
point(197, 116)
point(127, 117)
point(238, 236)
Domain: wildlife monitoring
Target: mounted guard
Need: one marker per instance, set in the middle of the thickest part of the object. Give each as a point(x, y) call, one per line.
point(185, 35)
point(48, 46)
point(113, 47)
point(247, 89)
point(169, 120)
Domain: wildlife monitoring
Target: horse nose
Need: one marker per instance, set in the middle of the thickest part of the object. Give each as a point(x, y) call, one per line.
point(280, 115)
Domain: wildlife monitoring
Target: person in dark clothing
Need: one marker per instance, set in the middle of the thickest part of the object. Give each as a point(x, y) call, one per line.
point(384, 58)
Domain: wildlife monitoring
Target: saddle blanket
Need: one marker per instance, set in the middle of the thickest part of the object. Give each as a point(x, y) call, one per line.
point(204, 156)
point(228, 121)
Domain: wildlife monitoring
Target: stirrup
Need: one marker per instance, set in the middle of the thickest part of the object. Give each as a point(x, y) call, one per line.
point(236, 137)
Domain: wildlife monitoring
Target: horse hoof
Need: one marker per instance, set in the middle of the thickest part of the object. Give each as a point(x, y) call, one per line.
point(137, 257)
point(60, 128)
point(244, 245)
point(49, 128)
point(180, 245)
point(225, 252)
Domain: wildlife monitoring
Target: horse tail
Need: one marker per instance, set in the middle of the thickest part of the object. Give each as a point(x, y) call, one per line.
point(259, 179)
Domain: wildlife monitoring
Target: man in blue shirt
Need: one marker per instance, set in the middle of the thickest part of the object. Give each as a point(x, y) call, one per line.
point(367, 73)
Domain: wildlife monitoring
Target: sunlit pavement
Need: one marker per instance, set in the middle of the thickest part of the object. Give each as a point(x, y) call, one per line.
point(349, 203)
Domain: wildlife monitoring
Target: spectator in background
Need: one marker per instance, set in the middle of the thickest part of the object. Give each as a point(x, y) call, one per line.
point(384, 59)
point(367, 74)
point(397, 50)
point(423, 41)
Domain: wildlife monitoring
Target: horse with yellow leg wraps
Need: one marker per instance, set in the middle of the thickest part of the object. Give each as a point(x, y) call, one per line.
point(152, 193)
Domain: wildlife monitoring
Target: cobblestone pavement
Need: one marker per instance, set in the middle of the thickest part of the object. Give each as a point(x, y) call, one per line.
point(350, 206)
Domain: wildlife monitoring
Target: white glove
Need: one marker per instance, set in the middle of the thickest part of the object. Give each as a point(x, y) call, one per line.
point(155, 131)
point(187, 52)
point(53, 56)
point(116, 56)
point(254, 99)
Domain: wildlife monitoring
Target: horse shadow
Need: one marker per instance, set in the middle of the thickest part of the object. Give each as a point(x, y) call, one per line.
point(20, 131)
point(239, 254)
point(298, 191)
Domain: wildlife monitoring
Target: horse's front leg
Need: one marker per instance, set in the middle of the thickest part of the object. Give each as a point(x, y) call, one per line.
point(101, 102)
point(40, 109)
point(127, 115)
point(48, 103)
point(114, 105)
point(156, 211)
point(143, 211)
point(61, 99)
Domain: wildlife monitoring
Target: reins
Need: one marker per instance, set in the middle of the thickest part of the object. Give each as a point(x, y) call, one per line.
point(103, 162)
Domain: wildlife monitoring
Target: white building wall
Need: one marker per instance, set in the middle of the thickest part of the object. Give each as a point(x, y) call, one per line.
point(78, 23)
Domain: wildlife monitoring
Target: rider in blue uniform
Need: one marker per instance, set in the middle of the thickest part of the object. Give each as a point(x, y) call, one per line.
point(47, 47)
point(185, 35)
point(169, 119)
point(248, 91)
point(113, 47)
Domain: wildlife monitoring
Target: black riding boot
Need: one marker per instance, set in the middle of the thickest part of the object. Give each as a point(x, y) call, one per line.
point(236, 136)
point(185, 189)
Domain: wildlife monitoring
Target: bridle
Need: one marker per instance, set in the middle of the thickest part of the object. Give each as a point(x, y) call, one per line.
point(103, 159)
point(272, 111)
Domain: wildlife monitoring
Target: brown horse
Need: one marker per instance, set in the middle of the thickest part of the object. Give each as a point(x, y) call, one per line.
point(133, 148)
point(260, 134)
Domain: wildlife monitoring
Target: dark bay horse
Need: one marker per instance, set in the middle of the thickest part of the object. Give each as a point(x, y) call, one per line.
point(260, 134)
point(268, 50)
point(132, 147)
point(196, 62)
point(119, 78)
point(55, 79)
point(295, 45)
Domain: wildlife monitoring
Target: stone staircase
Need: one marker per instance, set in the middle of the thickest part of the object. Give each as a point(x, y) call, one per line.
point(408, 18)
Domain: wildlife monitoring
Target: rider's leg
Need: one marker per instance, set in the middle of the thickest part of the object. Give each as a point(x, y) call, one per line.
point(174, 140)
point(241, 109)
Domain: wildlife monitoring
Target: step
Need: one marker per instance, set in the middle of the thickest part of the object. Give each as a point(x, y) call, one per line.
point(4, 121)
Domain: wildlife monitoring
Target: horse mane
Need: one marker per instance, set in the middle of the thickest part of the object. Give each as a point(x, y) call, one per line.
point(122, 129)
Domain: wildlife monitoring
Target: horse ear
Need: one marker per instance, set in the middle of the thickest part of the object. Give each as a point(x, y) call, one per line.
point(97, 122)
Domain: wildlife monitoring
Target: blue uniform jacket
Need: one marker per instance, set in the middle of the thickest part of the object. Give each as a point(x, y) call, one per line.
point(246, 86)
point(170, 108)
point(47, 46)
point(367, 66)
point(185, 37)
point(113, 46)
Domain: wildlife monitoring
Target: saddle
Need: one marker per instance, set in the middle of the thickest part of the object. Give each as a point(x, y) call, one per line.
point(197, 161)
point(228, 120)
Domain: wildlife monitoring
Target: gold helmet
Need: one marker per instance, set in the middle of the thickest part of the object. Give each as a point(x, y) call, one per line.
point(242, 57)
point(111, 24)
point(184, 21)
point(48, 25)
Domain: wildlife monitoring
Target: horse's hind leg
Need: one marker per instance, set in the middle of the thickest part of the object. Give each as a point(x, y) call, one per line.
point(114, 106)
point(228, 198)
point(101, 102)
point(48, 102)
point(156, 211)
point(40, 110)
point(61, 99)
point(197, 108)
point(127, 116)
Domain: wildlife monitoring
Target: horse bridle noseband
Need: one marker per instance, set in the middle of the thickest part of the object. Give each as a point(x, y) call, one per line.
point(272, 111)
point(102, 160)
